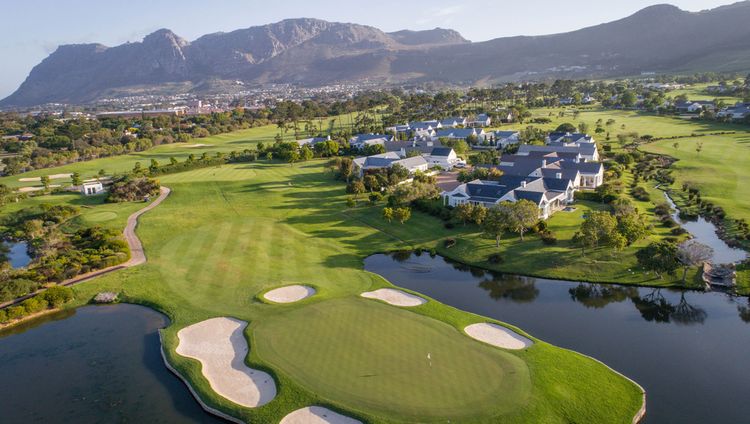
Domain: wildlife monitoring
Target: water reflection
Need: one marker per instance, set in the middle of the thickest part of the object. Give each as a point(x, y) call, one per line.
point(687, 348)
point(516, 288)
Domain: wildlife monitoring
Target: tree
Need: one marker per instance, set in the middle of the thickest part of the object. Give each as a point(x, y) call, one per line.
point(478, 214)
point(101, 173)
point(523, 214)
point(660, 257)
point(44, 179)
point(292, 156)
point(566, 127)
point(306, 153)
point(357, 187)
point(402, 214)
point(583, 127)
point(497, 222)
point(76, 179)
point(693, 253)
point(698, 147)
point(463, 212)
point(597, 229)
point(631, 226)
point(388, 214)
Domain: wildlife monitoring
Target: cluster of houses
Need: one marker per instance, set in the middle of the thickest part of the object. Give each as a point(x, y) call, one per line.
point(738, 112)
point(546, 175)
point(443, 157)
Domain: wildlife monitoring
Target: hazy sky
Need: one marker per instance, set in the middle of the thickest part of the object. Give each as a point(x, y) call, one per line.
point(32, 29)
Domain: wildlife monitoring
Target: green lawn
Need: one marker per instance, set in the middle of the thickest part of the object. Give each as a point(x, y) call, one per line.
point(228, 233)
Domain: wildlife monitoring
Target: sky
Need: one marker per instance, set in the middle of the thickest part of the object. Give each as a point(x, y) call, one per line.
point(32, 29)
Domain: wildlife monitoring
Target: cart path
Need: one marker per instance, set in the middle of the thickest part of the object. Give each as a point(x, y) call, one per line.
point(137, 254)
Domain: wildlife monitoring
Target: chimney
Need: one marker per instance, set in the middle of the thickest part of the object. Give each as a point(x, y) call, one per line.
point(558, 175)
point(544, 163)
point(523, 183)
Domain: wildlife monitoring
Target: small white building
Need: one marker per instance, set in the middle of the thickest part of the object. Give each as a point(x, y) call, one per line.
point(90, 188)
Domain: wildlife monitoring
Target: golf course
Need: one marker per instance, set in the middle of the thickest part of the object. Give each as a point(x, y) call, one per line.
point(228, 234)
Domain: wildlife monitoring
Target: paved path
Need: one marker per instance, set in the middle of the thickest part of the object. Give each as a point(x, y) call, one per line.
point(137, 255)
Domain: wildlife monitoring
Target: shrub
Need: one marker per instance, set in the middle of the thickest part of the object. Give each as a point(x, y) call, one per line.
point(3, 316)
point(641, 194)
point(495, 258)
point(678, 231)
point(15, 312)
point(34, 305)
point(548, 237)
point(449, 225)
point(448, 243)
point(57, 296)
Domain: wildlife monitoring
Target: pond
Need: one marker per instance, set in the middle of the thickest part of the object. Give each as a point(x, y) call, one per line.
point(18, 254)
point(705, 232)
point(96, 364)
point(688, 349)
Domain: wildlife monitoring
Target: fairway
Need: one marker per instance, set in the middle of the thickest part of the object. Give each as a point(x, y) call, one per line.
point(227, 234)
point(375, 356)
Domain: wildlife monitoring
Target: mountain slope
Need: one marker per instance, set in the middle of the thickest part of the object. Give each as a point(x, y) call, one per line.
point(316, 52)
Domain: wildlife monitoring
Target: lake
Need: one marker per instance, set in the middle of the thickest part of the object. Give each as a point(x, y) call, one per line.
point(688, 349)
point(97, 364)
point(18, 254)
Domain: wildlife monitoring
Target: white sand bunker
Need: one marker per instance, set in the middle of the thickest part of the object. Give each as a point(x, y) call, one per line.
point(51, 177)
point(317, 415)
point(289, 294)
point(395, 297)
point(221, 348)
point(197, 145)
point(497, 335)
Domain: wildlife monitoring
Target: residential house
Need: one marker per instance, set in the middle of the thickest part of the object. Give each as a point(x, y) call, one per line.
point(504, 139)
point(583, 175)
point(481, 120)
point(737, 112)
point(444, 157)
point(389, 159)
point(587, 151)
point(689, 107)
point(460, 133)
point(569, 138)
point(312, 141)
point(407, 148)
point(361, 141)
point(453, 122)
point(549, 194)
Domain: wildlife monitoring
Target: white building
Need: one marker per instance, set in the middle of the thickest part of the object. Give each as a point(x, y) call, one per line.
point(90, 188)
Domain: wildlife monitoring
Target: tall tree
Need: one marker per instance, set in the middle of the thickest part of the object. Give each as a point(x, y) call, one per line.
point(660, 257)
point(523, 214)
point(497, 222)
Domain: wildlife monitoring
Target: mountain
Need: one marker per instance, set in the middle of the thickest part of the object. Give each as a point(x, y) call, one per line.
point(312, 52)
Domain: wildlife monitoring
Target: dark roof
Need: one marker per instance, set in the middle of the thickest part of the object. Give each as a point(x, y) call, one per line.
point(582, 167)
point(534, 196)
point(493, 189)
point(456, 132)
point(441, 151)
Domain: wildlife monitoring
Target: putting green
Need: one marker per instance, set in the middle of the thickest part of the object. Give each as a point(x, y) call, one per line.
point(371, 356)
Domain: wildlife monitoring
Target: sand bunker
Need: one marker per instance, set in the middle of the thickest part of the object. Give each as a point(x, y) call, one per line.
point(289, 294)
point(395, 297)
point(197, 145)
point(497, 335)
point(317, 415)
point(51, 177)
point(221, 348)
point(32, 189)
